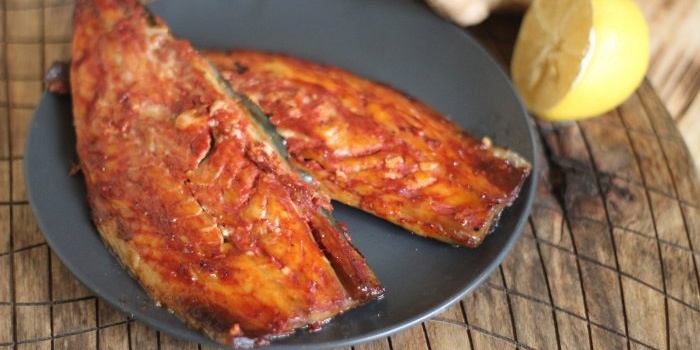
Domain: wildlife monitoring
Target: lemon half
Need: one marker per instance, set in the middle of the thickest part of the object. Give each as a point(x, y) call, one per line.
point(575, 59)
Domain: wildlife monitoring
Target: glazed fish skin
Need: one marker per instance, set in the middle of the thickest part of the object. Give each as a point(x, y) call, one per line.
point(374, 148)
point(190, 194)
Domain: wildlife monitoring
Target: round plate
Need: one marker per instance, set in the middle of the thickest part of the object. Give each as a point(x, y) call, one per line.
point(395, 42)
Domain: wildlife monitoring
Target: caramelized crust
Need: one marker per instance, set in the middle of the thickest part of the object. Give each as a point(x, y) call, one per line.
point(189, 192)
point(374, 148)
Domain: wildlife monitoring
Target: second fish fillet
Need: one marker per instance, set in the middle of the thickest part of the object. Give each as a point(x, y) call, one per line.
point(374, 148)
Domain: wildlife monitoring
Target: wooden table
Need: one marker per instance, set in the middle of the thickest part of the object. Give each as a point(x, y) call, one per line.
point(610, 258)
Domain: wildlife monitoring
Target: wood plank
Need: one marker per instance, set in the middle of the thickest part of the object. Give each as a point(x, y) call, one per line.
point(638, 257)
point(487, 308)
point(628, 206)
point(605, 339)
point(64, 286)
point(681, 275)
point(691, 216)
point(24, 94)
point(593, 241)
point(569, 156)
point(5, 279)
point(142, 337)
point(32, 275)
point(58, 22)
point(379, 344)
point(685, 177)
point(61, 2)
point(659, 117)
point(549, 226)
point(83, 341)
point(523, 269)
point(5, 233)
point(447, 336)
point(684, 325)
point(566, 143)
point(107, 315)
point(564, 280)
point(23, 24)
point(646, 313)
point(24, 61)
point(4, 126)
point(37, 345)
point(33, 322)
point(448, 329)
point(487, 341)
point(573, 331)
point(634, 116)
point(412, 338)
point(611, 148)
point(603, 297)
point(19, 188)
point(114, 337)
point(534, 323)
point(668, 219)
point(75, 316)
point(22, 4)
point(452, 313)
point(690, 124)
point(651, 158)
point(5, 188)
point(6, 326)
point(639, 346)
point(582, 196)
point(4, 98)
point(25, 230)
point(19, 126)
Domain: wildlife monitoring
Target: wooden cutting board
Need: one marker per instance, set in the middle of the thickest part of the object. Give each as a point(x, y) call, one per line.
point(609, 258)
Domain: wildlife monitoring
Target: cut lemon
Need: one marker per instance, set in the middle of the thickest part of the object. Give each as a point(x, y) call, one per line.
point(575, 59)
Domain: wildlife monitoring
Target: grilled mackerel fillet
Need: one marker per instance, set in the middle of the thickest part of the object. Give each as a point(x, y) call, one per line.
point(374, 148)
point(190, 193)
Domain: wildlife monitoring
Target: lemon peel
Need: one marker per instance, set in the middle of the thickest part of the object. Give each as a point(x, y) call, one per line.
point(575, 59)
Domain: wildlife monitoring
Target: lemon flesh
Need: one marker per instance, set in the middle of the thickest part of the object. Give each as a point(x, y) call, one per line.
point(579, 58)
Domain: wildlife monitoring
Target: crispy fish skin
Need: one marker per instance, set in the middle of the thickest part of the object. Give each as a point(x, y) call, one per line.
point(374, 148)
point(187, 191)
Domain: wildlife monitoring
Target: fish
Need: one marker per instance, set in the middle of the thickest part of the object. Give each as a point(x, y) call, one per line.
point(373, 147)
point(193, 194)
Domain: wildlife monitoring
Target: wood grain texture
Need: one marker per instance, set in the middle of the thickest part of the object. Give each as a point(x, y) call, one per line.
point(675, 66)
point(609, 258)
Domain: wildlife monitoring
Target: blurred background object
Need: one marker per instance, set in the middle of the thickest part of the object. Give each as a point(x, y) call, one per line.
point(674, 70)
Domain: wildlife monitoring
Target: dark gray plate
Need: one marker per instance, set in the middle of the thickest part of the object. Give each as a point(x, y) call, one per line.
point(396, 42)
